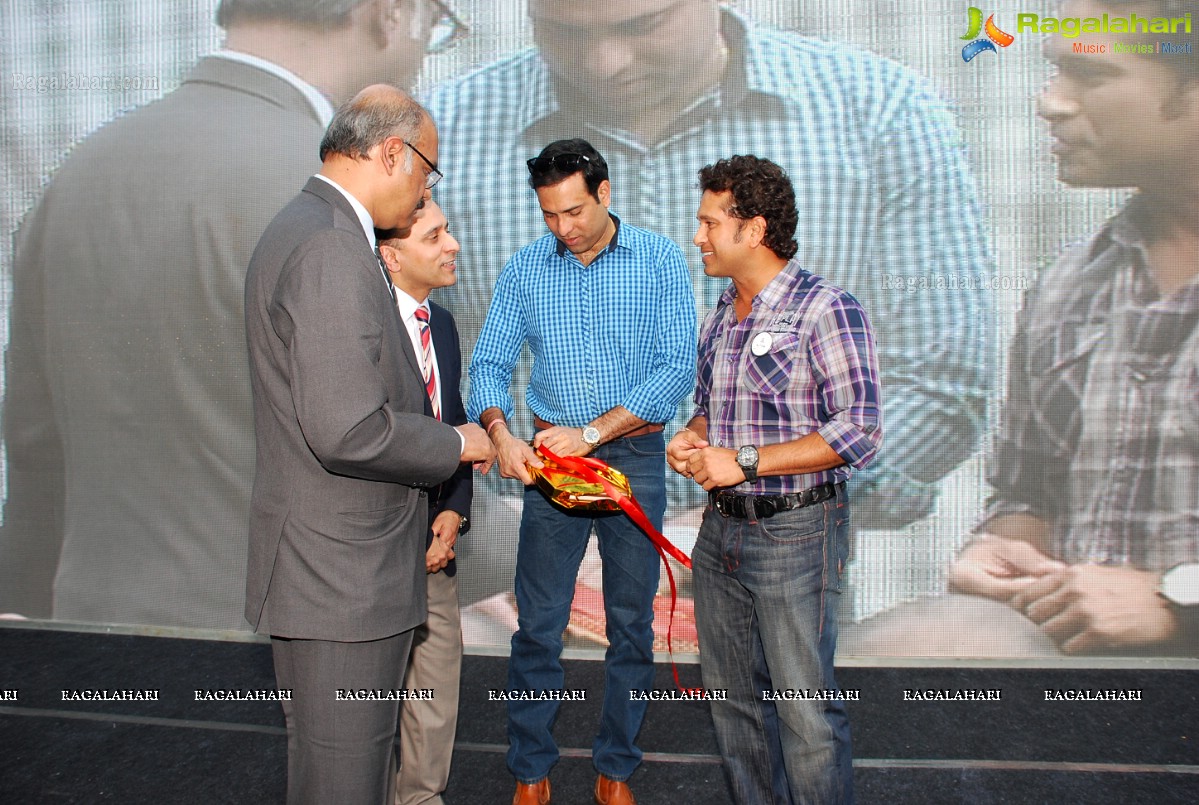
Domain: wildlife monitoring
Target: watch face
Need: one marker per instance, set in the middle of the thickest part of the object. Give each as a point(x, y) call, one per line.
point(591, 436)
point(747, 456)
point(1180, 585)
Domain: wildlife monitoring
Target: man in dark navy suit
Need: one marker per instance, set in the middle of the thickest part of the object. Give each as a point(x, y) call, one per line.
point(419, 260)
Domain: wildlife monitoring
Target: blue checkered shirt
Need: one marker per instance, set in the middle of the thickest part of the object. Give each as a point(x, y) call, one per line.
point(883, 190)
point(619, 331)
point(803, 361)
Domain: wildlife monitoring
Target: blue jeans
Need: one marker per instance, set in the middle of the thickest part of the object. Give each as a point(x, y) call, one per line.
point(552, 542)
point(766, 596)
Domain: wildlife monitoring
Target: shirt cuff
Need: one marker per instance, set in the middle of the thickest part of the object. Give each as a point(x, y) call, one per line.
point(851, 442)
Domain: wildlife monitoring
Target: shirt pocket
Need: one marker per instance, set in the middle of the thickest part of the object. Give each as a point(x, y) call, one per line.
point(1058, 364)
point(771, 373)
point(1180, 406)
point(1053, 351)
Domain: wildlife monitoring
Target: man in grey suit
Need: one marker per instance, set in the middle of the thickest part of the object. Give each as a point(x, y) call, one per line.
point(345, 450)
point(127, 419)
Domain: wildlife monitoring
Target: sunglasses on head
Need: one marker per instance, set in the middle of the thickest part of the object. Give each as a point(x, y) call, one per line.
point(567, 163)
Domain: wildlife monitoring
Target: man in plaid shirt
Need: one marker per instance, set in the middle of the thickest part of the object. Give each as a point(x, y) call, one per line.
point(1090, 543)
point(787, 401)
point(1093, 532)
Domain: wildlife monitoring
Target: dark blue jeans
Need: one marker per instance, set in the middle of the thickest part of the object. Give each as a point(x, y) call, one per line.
point(552, 542)
point(766, 597)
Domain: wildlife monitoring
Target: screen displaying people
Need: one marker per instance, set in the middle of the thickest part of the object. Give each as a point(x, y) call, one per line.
point(1013, 212)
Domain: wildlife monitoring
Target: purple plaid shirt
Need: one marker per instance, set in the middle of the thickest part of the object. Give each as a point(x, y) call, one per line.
point(803, 360)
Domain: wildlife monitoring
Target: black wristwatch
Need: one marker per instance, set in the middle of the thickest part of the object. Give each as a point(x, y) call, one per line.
point(747, 460)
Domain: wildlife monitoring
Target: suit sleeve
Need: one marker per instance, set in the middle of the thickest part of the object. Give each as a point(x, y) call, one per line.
point(460, 487)
point(328, 308)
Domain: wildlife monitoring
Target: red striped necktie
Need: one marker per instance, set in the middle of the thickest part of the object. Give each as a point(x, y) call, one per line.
point(426, 359)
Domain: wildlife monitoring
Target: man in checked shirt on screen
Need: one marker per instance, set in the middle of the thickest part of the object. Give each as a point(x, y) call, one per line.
point(787, 401)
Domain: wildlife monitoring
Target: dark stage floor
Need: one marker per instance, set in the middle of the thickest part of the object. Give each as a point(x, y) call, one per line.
point(1021, 748)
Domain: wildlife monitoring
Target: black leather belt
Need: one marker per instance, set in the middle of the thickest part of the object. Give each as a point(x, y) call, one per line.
point(759, 507)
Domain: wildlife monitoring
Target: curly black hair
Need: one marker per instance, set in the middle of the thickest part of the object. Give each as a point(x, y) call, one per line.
point(758, 187)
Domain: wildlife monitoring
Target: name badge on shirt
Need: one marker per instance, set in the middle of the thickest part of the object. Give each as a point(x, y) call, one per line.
point(761, 344)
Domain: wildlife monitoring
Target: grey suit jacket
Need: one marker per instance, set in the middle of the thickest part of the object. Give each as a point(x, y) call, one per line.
point(127, 417)
point(338, 514)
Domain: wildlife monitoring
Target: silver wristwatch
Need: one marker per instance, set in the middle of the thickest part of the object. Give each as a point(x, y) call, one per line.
point(1180, 585)
point(747, 460)
point(591, 437)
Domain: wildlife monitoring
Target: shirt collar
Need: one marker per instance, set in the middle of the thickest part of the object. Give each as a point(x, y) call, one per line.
point(549, 116)
point(777, 292)
point(408, 305)
point(364, 217)
point(319, 103)
point(560, 247)
point(1125, 230)
point(1124, 227)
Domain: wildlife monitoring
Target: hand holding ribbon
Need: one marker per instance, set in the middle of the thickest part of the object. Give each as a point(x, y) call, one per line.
point(582, 482)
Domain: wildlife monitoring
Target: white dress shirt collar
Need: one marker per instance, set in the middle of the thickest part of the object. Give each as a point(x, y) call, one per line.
point(408, 305)
point(320, 104)
point(364, 217)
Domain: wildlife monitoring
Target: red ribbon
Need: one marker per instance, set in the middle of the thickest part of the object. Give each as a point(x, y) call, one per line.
point(589, 470)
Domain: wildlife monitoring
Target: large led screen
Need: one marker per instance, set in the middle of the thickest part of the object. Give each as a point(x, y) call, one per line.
point(1006, 189)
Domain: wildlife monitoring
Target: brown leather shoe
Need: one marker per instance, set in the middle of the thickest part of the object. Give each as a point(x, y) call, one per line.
point(610, 792)
point(536, 794)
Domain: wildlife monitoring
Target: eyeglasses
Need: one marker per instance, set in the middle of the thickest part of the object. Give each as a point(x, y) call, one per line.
point(434, 175)
point(567, 163)
point(447, 30)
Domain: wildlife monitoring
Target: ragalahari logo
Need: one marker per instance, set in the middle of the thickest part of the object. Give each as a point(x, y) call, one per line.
point(994, 35)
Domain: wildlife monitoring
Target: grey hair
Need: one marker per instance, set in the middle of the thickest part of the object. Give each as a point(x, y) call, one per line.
point(325, 13)
point(368, 119)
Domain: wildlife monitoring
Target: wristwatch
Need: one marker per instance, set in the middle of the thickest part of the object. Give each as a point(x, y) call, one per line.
point(463, 524)
point(591, 437)
point(747, 460)
point(1180, 585)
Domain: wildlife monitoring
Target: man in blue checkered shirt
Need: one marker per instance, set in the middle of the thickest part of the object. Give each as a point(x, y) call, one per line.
point(786, 403)
point(607, 312)
point(883, 190)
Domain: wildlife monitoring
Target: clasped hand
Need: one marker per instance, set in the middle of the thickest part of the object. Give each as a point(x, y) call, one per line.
point(445, 535)
point(1084, 608)
point(711, 467)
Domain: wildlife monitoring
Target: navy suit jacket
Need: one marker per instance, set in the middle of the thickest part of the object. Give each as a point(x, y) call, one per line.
point(456, 493)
